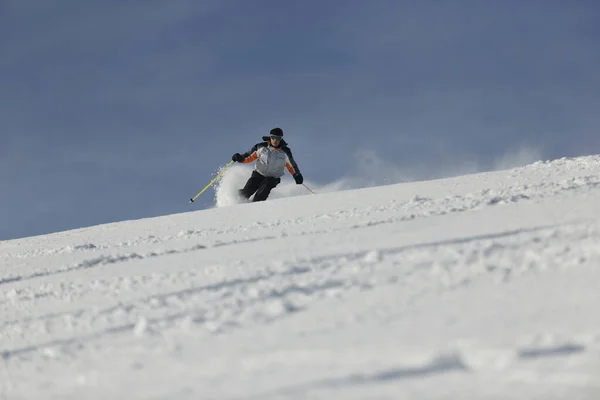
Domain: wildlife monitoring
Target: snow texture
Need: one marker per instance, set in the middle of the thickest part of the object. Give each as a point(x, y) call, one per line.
point(483, 286)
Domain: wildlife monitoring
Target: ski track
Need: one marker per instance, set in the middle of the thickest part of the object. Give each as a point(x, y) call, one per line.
point(288, 288)
point(219, 299)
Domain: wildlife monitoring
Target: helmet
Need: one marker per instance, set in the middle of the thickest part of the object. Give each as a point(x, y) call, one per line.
point(276, 132)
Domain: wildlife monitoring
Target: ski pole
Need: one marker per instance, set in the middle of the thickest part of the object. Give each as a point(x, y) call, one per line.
point(211, 182)
point(307, 188)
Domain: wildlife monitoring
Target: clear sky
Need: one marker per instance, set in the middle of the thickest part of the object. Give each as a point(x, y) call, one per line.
point(113, 110)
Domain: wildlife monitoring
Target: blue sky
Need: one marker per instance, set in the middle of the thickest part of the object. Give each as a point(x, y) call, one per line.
point(113, 110)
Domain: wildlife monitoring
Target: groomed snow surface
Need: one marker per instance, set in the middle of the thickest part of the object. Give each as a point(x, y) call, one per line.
point(484, 286)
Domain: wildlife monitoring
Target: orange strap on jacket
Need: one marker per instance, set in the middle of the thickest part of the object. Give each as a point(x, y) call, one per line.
point(253, 157)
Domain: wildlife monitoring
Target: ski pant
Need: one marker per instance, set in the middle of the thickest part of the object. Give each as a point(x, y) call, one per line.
point(260, 184)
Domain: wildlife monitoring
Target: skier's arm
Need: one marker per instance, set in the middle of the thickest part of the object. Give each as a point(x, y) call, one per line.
point(248, 156)
point(293, 167)
point(290, 168)
point(252, 154)
point(290, 164)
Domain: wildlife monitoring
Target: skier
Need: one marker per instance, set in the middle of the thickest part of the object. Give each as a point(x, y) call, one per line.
point(271, 156)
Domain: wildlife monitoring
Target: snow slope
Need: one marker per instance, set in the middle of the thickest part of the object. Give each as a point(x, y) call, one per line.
point(484, 286)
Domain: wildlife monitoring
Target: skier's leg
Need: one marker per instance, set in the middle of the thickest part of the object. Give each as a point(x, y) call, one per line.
point(265, 188)
point(252, 185)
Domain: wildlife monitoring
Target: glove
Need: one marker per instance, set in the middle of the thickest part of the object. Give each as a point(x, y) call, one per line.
point(237, 157)
point(298, 178)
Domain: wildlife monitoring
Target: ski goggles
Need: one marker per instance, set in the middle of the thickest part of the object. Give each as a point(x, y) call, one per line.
point(275, 137)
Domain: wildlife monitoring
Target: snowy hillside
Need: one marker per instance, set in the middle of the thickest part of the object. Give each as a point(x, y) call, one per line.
point(483, 286)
